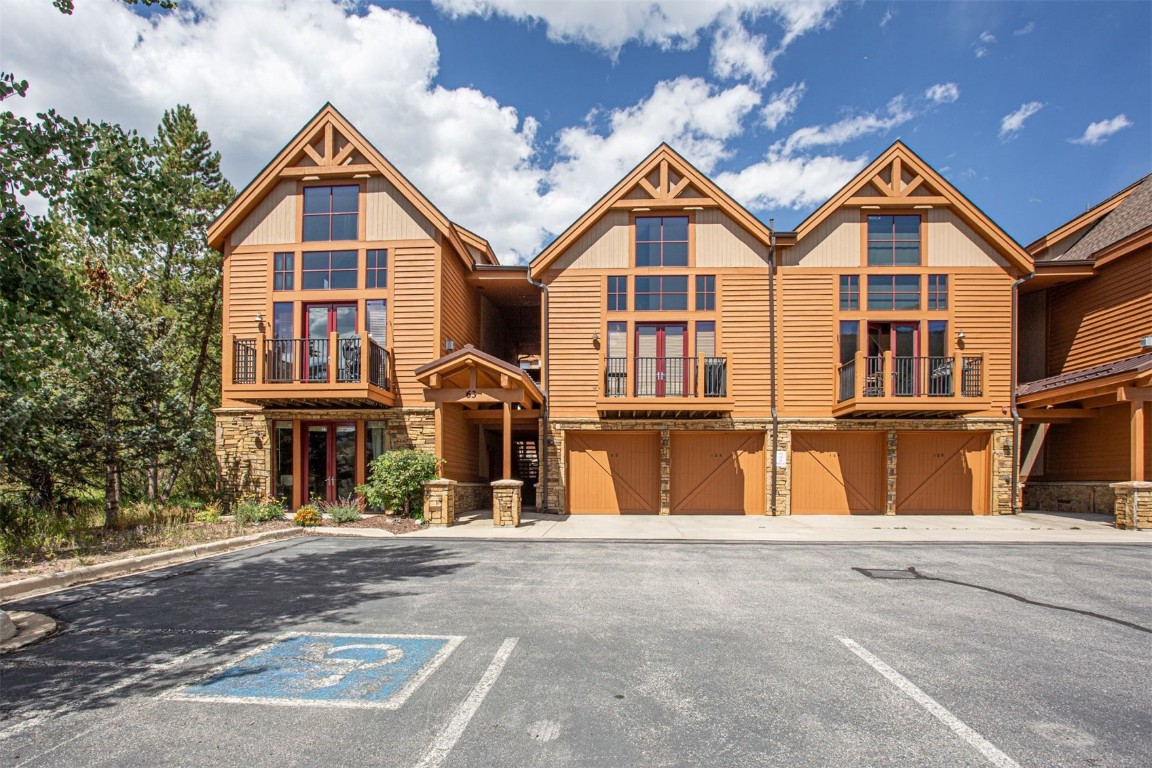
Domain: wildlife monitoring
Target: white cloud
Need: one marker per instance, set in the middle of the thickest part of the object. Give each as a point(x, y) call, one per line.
point(782, 104)
point(886, 18)
point(987, 38)
point(1027, 29)
point(981, 52)
point(1011, 124)
point(943, 93)
point(736, 54)
point(790, 182)
point(843, 131)
point(1097, 133)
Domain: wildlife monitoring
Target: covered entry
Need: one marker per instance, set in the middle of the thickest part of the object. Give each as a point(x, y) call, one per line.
point(838, 473)
point(717, 472)
point(613, 473)
point(942, 473)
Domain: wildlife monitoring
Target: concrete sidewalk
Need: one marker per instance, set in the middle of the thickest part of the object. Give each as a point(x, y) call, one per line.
point(1045, 527)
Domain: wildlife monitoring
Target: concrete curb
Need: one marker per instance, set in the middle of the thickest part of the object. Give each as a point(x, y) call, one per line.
point(30, 628)
point(115, 568)
point(368, 533)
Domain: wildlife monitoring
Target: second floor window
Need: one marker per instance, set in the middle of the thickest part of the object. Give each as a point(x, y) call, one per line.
point(661, 293)
point(662, 241)
point(331, 213)
point(705, 292)
point(324, 270)
point(893, 241)
point(283, 271)
point(376, 271)
point(937, 291)
point(893, 292)
point(617, 293)
point(849, 292)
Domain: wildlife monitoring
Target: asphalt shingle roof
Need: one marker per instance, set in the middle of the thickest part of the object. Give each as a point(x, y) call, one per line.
point(1142, 362)
point(1131, 216)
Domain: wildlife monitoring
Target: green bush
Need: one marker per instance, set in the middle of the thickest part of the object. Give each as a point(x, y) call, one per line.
point(344, 510)
point(210, 513)
point(396, 480)
point(250, 510)
point(307, 517)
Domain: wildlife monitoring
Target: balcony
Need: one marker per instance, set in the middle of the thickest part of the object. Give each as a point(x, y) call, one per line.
point(887, 385)
point(665, 386)
point(326, 372)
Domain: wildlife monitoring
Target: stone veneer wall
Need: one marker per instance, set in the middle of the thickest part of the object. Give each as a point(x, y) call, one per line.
point(1000, 429)
point(472, 496)
point(1096, 497)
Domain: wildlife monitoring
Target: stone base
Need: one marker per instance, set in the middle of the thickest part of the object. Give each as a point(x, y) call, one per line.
point(440, 503)
point(471, 496)
point(1133, 505)
point(506, 502)
point(1095, 497)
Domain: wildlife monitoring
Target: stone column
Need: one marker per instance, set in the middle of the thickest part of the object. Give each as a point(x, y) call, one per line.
point(1133, 505)
point(506, 502)
point(665, 472)
point(440, 502)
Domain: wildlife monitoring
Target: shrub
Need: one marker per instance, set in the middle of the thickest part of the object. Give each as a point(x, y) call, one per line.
point(345, 510)
point(307, 517)
point(249, 510)
point(209, 514)
point(396, 479)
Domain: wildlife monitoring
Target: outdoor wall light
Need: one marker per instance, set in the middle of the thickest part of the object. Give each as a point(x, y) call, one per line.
point(259, 317)
point(596, 337)
point(959, 335)
point(449, 345)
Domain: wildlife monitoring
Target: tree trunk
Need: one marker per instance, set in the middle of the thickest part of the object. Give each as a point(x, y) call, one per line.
point(111, 492)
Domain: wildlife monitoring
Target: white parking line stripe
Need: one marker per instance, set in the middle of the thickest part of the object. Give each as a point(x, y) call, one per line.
point(447, 739)
point(985, 747)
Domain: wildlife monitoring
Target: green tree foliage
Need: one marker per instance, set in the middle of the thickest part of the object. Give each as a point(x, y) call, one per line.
point(396, 479)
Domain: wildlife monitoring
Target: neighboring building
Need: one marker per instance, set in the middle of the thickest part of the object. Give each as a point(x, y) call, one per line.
point(1085, 358)
point(892, 339)
point(340, 280)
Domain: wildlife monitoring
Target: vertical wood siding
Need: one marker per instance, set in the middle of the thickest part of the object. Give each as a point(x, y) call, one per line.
point(949, 242)
point(413, 337)
point(807, 334)
point(273, 220)
point(1092, 449)
point(388, 215)
point(720, 242)
point(604, 246)
point(460, 445)
point(983, 311)
point(744, 340)
point(834, 243)
point(1101, 319)
point(573, 366)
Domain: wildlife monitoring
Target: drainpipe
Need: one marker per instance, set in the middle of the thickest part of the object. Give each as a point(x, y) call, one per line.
point(772, 353)
point(542, 503)
point(1012, 399)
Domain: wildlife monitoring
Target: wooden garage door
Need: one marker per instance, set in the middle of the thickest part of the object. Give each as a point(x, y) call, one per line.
point(837, 473)
point(613, 473)
point(942, 473)
point(717, 473)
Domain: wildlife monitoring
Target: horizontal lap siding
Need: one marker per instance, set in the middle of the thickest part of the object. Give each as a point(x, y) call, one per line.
point(459, 305)
point(247, 292)
point(744, 341)
point(807, 333)
point(413, 341)
point(575, 311)
point(983, 311)
point(1101, 319)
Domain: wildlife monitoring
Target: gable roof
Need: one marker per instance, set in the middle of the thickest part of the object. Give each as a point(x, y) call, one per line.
point(1119, 217)
point(468, 356)
point(1081, 223)
point(1132, 365)
point(924, 187)
point(355, 157)
point(664, 161)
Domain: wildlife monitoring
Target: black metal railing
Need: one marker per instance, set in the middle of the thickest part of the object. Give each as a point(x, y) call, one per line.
point(972, 376)
point(243, 361)
point(348, 359)
point(874, 377)
point(939, 377)
point(715, 377)
point(666, 377)
point(616, 377)
point(847, 380)
point(379, 365)
point(912, 376)
point(308, 361)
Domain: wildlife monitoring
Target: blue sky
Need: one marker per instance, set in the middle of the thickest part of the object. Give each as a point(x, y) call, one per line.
point(514, 116)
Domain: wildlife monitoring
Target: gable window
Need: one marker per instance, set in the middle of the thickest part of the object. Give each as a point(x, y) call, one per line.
point(661, 293)
point(376, 271)
point(662, 241)
point(325, 270)
point(331, 213)
point(893, 240)
point(617, 293)
point(849, 291)
point(893, 292)
point(705, 292)
point(937, 291)
point(283, 271)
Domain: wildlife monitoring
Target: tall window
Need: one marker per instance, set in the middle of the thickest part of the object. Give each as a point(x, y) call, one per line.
point(331, 213)
point(705, 292)
point(376, 273)
point(893, 292)
point(282, 320)
point(849, 340)
point(893, 241)
point(376, 310)
point(329, 269)
point(284, 455)
point(376, 442)
point(937, 338)
point(937, 291)
point(661, 293)
point(283, 271)
point(617, 293)
point(616, 364)
point(662, 241)
point(849, 291)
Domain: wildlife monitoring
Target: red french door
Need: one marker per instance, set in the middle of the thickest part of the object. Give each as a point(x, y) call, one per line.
point(320, 320)
point(330, 461)
point(662, 360)
point(902, 339)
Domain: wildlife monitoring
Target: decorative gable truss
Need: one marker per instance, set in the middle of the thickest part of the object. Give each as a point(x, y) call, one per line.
point(329, 153)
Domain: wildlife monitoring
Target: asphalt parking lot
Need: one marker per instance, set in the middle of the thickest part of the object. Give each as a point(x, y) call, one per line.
point(343, 652)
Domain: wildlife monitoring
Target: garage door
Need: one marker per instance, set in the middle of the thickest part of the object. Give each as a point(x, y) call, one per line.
point(717, 473)
point(943, 473)
point(837, 473)
point(613, 473)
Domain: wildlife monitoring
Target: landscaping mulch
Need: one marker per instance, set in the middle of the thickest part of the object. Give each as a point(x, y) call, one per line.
point(391, 523)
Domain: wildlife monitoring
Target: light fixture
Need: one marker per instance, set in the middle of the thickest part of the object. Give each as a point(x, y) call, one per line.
point(259, 317)
point(959, 334)
point(596, 337)
point(921, 207)
point(449, 345)
point(1146, 342)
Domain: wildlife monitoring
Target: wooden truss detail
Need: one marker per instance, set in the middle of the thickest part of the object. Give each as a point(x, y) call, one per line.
point(328, 152)
point(897, 184)
point(664, 185)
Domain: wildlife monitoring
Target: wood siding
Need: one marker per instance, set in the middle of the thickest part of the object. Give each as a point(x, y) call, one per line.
point(808, 344)
point(716, 472)
point(575, 313)
point(413, 338)
point(274, 219)
point(744, 340)
point(949, 242)
point(460, 315)
point(942, 473)
point(460, 444)
point(604, 246)
point(248, 281)
point(835, 242)
point(837, 473)
point(982, 309)
point(720, 243)
point(1094, 449)
point(388, 215)
point(613, 473)
point(1101, 319)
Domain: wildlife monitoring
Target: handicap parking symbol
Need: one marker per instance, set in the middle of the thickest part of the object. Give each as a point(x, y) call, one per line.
point(328, 670)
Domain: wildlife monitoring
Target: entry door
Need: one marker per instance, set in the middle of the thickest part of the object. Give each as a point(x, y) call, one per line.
point(331, 461)
point(661, 359)
point(902, 339)
point(321, 320)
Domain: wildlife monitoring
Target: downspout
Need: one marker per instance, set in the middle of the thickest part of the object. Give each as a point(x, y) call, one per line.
point(772, 354)
point(1016, 437)
point(542, 503)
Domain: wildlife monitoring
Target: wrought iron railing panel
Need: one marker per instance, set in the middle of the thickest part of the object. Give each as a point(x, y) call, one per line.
point(847, 380)
point(873, 377)
point(615, 377)
point(348, 359)
point(379, 364)
point(665, 376)
point(940, 377)
point(971, 384)
point(243, 361)
point(715, 377)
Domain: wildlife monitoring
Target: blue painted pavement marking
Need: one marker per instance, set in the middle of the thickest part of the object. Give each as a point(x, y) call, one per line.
point(328, 670)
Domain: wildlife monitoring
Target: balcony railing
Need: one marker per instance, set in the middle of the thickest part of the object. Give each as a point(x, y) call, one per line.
point(340, 360)
point(911, 376)
point(666, 377)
